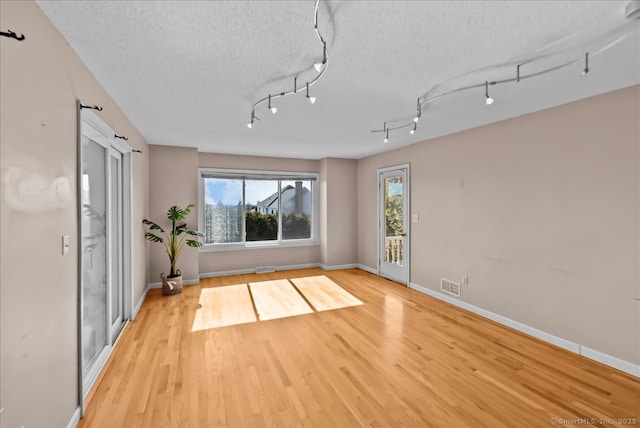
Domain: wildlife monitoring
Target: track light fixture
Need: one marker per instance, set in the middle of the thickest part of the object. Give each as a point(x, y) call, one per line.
point(586, 65)
point(320, 67)
point(274, 110)
point(312, 100)
point(606, 40)
point(418, 112)
point(413, 130)
point(488, 100)
point(253, 118)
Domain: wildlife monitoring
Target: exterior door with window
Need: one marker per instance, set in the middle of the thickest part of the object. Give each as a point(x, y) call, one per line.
point(393, 220)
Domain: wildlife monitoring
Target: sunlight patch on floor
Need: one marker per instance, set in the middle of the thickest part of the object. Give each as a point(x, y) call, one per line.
point(268, 300)
point(223, 306)
point(277, 299)
point(324, 294)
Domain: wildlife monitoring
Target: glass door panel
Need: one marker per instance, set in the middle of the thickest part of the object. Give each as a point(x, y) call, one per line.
point(94, 252)
point(393, 220)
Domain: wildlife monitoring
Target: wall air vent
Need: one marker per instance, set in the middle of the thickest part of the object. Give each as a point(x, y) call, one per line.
point(450, 287)
point(265, 269)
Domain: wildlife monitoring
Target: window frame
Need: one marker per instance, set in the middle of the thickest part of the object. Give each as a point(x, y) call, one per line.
point(247, 174)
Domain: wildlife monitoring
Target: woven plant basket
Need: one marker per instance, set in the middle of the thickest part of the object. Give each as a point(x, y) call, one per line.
point(171, 286)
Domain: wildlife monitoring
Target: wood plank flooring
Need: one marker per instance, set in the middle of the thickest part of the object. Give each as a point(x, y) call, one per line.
point(400, 359)
point(324, 294)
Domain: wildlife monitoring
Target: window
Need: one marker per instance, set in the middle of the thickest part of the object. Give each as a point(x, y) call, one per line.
point(243, 209)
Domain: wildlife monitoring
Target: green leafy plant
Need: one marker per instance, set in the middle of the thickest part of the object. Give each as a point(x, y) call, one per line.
point(175, 239)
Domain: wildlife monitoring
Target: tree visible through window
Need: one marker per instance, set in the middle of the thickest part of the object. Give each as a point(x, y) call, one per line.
point(252, 209)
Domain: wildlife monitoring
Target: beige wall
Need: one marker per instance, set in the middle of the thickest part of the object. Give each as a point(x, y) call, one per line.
point(40, 80)
point(340, 237)
point(338, 231)
point(542, 213)
point(172, 176)
point(214, 262)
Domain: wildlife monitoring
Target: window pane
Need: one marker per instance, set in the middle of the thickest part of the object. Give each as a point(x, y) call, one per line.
point(223, 210)
point(296, 209)
point(393, 220)
point(262, 209)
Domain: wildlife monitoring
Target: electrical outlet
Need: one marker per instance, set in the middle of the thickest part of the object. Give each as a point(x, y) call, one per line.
point(465, 280)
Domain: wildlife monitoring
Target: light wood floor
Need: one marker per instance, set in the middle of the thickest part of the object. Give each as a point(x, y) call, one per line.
point(400, 359)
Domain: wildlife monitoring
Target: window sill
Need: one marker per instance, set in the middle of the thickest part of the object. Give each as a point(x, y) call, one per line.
point(212, 248)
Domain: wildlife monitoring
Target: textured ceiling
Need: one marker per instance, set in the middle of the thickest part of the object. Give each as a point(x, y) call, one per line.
point(187, 73)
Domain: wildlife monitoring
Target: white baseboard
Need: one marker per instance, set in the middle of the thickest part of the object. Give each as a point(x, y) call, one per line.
point(339, 267)
point(277, 268)
point(301, 266)
point(611, 361)
point(598, 356)
point(140, 302)
point(75, 419)
point(367, 269)
point(227, 273)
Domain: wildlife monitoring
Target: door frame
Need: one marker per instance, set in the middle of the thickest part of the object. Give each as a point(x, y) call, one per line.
point(88, 121)
point(407, 220)
point(114, 153)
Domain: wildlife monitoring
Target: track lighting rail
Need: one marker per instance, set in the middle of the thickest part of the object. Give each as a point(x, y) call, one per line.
point(621, 33)
point(320, 67)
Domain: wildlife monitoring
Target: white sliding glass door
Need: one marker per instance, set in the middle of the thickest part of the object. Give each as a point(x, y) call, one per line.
point(105, 266)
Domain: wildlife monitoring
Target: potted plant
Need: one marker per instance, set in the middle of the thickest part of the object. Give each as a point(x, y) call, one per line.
point(173, 241)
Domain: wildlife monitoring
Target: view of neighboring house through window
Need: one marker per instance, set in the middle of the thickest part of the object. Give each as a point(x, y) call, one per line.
point(241, 207)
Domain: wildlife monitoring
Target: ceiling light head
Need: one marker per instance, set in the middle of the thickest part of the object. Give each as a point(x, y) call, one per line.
point(586, 65)
point(413, 130)
point(250, 125)
point(320, 65)
point(416, 119)
point(274, 110)
point(488, 101)
point(312, 100)
point(386, 138)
